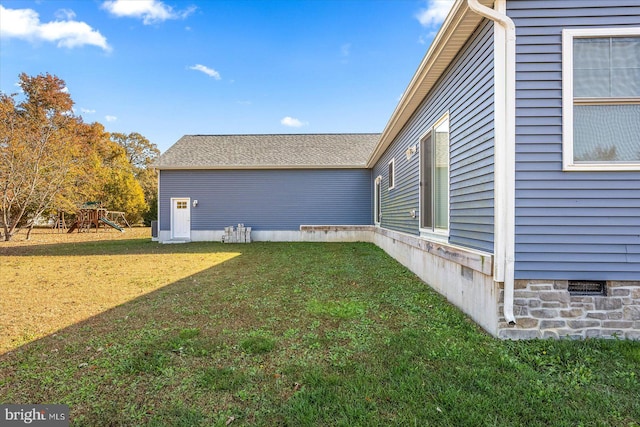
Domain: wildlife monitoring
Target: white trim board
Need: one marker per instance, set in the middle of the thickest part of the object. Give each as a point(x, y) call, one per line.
point(568, 101)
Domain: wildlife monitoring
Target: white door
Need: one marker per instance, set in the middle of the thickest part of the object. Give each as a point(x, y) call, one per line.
point(180, 219)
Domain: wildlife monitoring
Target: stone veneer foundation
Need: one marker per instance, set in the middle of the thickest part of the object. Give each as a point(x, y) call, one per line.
point(546, 309)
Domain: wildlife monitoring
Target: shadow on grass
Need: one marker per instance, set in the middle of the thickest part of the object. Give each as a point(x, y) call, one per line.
point(88, 363)
point(313, 334)
point(220, 339)
point(46, 287)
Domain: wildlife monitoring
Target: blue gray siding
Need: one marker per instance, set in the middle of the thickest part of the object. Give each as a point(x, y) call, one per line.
point(466, 92)
point(569, 225)
point(269, 199)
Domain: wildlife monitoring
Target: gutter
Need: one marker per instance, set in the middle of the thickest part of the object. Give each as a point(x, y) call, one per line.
point(453, 34)
point(257, 167)
point(504, 150)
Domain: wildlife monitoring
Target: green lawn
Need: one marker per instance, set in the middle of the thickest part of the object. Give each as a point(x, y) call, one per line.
point(304, 334)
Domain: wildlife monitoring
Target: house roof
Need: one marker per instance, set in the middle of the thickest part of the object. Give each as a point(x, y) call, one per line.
point(455, 31)
point(307, 151)
point(286, 151)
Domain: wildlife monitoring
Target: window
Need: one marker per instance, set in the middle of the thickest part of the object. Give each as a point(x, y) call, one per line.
point(434, 178)
point(181, 205)
point(392, 174)
point(377, 195)
point(601, 99)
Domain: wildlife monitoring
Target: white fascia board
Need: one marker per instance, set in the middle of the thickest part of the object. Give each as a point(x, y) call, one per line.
point(453, 34)
point(568, 35)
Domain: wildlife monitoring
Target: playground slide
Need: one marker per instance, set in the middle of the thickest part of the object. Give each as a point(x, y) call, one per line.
point(111, 224)
point(73, 227)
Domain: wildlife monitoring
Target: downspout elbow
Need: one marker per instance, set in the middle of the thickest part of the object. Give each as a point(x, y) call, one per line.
point(495, 16)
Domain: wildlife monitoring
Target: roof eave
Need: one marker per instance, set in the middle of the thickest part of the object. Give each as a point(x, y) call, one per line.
point(456, 29)
point(260, 167)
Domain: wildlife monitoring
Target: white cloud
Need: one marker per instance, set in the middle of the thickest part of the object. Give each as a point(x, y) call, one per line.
point(110, 118)
point(65, 14)
point(150, 11)
point(25, 24)
point(208, 71)
point(435, 12)
point(87, 111)
point(20, 23)
point(292, 122)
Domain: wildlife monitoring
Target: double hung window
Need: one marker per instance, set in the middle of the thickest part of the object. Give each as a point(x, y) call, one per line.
point(601, 99)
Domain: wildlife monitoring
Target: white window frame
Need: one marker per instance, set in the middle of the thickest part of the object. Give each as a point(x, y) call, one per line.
point(391, 169)
point(568, 101)
point(438, 234)
point(377, 202)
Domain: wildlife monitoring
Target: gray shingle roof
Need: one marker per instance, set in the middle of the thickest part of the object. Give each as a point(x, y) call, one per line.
point(269, 151)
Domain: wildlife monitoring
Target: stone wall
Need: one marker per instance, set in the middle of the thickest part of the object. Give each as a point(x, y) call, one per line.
point(546, 309)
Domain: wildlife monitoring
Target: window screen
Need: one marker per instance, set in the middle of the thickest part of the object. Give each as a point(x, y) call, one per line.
point(606, 120)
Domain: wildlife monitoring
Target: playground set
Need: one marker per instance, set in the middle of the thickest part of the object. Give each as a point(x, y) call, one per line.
point(92, 214)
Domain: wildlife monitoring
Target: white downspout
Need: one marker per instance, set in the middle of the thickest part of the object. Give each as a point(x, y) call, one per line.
point(504, 150)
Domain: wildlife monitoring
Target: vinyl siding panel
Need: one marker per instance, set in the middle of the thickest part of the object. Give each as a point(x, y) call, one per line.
point(269, 199)
point(466, 92)
point(569, 225)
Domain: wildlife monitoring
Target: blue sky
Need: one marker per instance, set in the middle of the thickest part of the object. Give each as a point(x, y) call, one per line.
point(169, 68)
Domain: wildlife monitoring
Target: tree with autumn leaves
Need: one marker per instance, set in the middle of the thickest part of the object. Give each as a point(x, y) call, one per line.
point(141, 153)
point(50, 159)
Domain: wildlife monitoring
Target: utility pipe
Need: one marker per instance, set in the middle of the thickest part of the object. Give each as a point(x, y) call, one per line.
point(504, 148)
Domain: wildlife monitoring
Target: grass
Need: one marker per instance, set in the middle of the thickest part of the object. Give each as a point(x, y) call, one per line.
point(287, 334)
point(71, 282)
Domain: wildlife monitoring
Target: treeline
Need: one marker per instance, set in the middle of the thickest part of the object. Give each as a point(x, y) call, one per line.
point(51, 160)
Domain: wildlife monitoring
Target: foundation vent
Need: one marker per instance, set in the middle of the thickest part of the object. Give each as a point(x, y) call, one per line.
point(587, 287)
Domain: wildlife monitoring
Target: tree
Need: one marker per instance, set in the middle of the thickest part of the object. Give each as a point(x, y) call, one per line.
point(37, 148)
point(141, 154)
point(148, 180)
point(123, 193)
point(119, 188)
point(50, 158)
point(107, 175)
point(140, 151)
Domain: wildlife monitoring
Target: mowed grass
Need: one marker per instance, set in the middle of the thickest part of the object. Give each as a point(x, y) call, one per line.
point(297, 334)
point(47, 286)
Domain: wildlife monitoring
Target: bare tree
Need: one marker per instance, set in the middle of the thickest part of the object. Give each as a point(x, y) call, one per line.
point(36, 150)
